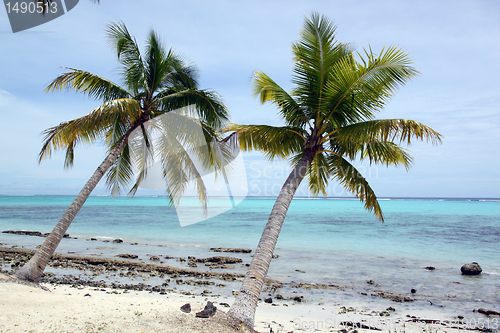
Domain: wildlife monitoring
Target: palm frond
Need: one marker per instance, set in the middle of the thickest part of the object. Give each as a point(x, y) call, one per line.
point(157, 65)
point(87, 129)
point(352, 180)
point(361, 89)
point(208, 105)
point(120, 174)
point(318, 175)
point(90, 84)
point(387, 153)
point(269, 91)
point(70, 155)
point(129, 56)
point(401, 130)
point(178, 168)
point(316, 52)
point(175, 73)
point(116, 132)
point(142, 153)
point(273, 142)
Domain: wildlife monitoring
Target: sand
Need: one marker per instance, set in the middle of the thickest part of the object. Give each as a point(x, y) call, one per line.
point(59, 308)
point(64, 309)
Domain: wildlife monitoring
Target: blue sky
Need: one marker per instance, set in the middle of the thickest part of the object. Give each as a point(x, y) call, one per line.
point(455, 45)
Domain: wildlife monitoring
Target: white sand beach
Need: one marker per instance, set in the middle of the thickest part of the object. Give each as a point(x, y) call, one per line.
point(25, 308)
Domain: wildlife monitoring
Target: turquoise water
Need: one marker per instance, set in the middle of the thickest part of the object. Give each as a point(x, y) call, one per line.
point(331, 240)
point(428, 229)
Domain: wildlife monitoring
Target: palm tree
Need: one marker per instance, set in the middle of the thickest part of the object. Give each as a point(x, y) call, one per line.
point(329, 122)
point(157, 83)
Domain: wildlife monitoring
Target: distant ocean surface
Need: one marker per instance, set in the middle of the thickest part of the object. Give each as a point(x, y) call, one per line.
point(333, 241)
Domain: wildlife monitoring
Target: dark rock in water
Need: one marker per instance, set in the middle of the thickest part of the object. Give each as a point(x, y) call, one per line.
point(370, 282)
point(208, 311)
point(93, 239)
point(268, 300)
point(471, 269)
point(118, 240)
point(88, 295)
point(230, 249)
point(154, 258)
point(487, 312)
point(413, 291)
point(430, 268)
point(127, 256)
point(298, 298)
point(30, 233)
point(23, 232)
point(186, 308)
point(219, 260)
point(279, 296)
point(298, 270)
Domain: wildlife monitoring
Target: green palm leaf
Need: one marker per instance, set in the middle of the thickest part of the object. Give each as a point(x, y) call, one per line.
point(129, 56)
point(361, 89)
point(387, 153)
point(89, 84)
point(120, 174)
point(400, 130)
point(352, 180)
point(204, 104)
point(265, 138)
point(178, 167)
point(316, 53)
point(269, 91)
point(318, 175)
point(87, 129)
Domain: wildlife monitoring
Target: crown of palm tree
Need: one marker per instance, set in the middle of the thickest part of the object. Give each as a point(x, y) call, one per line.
point(332, 110)
point(156, 83)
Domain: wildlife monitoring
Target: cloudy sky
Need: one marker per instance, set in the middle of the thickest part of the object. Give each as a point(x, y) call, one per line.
point(455, 45)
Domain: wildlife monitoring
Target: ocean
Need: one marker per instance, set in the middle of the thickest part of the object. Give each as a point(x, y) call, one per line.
point(328, 241)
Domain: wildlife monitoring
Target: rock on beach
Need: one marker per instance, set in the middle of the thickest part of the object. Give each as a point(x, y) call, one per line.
point(208, 311)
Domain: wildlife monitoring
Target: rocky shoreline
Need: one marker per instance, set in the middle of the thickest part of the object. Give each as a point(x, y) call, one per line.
point(173, 277)
point(127, 267)
point(125, 274)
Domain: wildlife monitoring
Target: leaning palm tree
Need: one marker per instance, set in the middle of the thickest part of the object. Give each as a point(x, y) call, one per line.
point(329, 123)
point(157, 83)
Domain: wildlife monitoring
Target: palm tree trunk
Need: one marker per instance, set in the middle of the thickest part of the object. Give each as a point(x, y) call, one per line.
point(34, 268)
point(246, 301)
